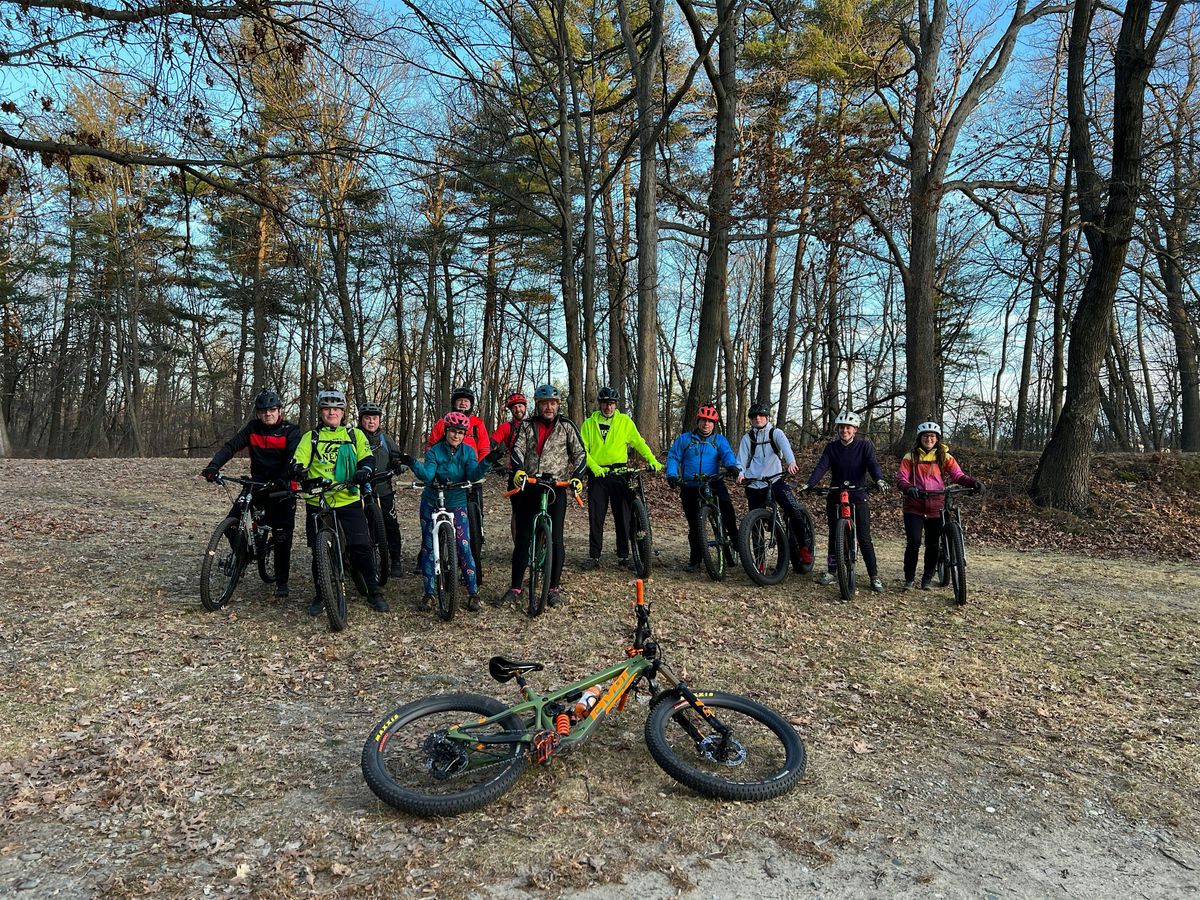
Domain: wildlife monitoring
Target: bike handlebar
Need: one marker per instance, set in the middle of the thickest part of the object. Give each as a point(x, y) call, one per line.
point(446, 486)
point(245, 482)
point(546, 480)
point(845, 486)
point(952, 489)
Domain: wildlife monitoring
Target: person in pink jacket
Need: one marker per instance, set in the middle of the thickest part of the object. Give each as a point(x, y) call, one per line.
point(927, 467)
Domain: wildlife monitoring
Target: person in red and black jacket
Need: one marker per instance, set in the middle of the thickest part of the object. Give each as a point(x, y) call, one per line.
point(272, 441)
point(506, 435)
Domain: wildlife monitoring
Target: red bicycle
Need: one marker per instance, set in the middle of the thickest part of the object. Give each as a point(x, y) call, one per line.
point(845, 534)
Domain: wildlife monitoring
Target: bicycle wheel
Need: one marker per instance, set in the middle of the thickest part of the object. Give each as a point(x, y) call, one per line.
point(763, 546)
point(264, 551)
point(957, 564)
point(762, 757)
point(641, 539)
point(409, 763)
point(808, 539)
point(712, 540)
point(331, 579)
point(445, 579)
point(222, 565)
point(383, 559)
point(539, 568)
point(475, 523)
point(843, 552)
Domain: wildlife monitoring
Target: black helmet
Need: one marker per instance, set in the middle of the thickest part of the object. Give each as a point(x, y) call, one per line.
point(607, 393)
point(462, 392)
point(370, 409)
point(267, 399)
point(758, 409)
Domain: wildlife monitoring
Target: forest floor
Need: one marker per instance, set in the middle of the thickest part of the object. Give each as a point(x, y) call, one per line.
point(1043, 740)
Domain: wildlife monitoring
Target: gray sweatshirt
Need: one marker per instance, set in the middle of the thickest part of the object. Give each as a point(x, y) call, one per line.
point(759, 454)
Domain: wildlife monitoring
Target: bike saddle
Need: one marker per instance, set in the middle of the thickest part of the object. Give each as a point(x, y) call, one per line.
point(506, 669)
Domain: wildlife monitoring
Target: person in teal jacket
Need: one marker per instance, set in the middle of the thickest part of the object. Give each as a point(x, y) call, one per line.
point(696, 457)
point(448, 461)
point(607, 436)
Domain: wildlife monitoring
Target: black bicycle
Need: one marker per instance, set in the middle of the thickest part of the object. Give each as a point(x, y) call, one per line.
point(475, 521)
point(637, 524)
point(375, 524)
point(764, 539)
point(952, 548)
point(716, 545)
point(237, 540)
point(845, 534)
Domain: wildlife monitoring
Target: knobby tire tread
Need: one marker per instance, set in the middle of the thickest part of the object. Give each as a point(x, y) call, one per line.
point(475, 523)
point(762, 526)
point(446, 581)
point(330, 587)
point(383, 556)
point(712, 542)
point(541, 558)
point(214, 601)
point(958, 567)
point(843, 552)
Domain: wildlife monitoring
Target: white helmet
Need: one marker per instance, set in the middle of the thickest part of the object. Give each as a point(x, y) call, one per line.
point(929, 426)
point(847, 417)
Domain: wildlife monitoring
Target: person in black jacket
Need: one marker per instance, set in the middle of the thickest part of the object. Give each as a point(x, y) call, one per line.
point(272, 441)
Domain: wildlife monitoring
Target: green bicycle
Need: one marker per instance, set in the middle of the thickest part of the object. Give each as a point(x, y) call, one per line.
point(451, 753)
point(541, 539)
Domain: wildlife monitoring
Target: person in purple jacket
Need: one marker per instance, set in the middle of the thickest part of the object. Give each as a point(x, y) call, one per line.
point(850, 459)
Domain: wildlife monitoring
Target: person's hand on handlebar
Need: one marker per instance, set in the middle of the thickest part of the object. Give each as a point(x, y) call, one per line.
point(793, 469)
point(362, 475)
point(881, 485)
point(576, 485)
point(210, 474)
point(914, 492)
point(672, 482)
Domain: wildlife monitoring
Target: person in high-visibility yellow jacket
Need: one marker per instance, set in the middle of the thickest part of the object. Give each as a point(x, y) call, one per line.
point(607, 436)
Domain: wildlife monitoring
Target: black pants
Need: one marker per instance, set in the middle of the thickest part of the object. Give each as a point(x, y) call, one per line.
point(602, 493)
point(756, 498)
point(862, 518)
point(280, 517)
point(689, 497)
point(387, 505)
point(915, 525)
point(525, 511)
point(353, 522)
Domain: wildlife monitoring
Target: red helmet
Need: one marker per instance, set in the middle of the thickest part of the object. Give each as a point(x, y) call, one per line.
point(457, 421)
point(708, 414)
point(514, 399)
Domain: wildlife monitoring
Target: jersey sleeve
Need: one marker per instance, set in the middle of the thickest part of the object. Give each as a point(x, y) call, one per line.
point(303, 454)
point(725, 452)
point(234, 445)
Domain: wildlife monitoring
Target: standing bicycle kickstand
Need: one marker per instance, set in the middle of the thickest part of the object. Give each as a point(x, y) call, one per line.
point(444, 548)
point(952, 546)
point(637, 526)
point(237, 540)
point(450, 753)
point(541, 535)
point(765, 539)
point(845, 534)
point(717, 546)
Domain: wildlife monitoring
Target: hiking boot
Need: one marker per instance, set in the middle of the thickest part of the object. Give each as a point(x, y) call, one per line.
point(377, 603)
point(623, 562)
point(396, 570)
point(512, 595)
point(692, 567)
point(827, 579)
point(926, 582)
point(281, 591)
point(472, 603)
point(877, 584)
point(589, 564)
point(315, 608)
point(910, 585)
point(424, 604)
point(554, 597)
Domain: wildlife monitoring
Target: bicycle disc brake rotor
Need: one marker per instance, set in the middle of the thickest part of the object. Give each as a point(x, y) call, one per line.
point(732, 754)
point(443, 758)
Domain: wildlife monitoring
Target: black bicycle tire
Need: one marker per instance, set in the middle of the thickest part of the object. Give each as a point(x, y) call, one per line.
point(383, 557)
point(759, 519)
point(446, 581)
point(383, 784)
point(641, 549)
point(942, 572)
point(265, 557)
point(711, 541)
point(539, 573)
point(811, 530)
point(475, 524)
point(958, 566)
point(843, 553)
point(330, 587)
point(667, 704)
point(210, 602)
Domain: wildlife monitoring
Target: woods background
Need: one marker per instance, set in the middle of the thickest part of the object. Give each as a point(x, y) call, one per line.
point(981, 213)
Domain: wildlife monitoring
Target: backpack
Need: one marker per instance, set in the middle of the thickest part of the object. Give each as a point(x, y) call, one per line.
point(754, 445)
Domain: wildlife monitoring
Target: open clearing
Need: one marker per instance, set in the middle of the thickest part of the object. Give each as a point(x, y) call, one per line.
point(1040, 741)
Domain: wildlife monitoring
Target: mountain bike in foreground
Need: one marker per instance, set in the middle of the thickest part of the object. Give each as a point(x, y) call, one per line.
point(716, 544)
point(952, 548)
point(845, 534)
point(541, 537)
point(765, 540)
point(641, 536)
point(237, 540)
point(444, 549)
point(451, 753)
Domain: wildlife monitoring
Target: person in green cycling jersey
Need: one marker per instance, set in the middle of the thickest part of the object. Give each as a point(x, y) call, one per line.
point(607, 436)
point(338, 453)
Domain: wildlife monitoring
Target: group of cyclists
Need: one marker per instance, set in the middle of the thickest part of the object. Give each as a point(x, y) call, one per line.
point(543, 441)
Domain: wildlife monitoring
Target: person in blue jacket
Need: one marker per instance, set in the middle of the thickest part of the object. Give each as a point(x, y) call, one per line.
point(447, 461)
point(696, 455)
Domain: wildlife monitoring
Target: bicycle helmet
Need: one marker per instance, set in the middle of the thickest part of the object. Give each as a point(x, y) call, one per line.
point(847, 417)
point(370, 409)
point(547, 392)
point(514, 399)
point(267, 399)
point(606, 393)
point(758, 409)
point(708, 414)
point(929, 426)
point(331, 400)
point(456, 420)
point(463, 392)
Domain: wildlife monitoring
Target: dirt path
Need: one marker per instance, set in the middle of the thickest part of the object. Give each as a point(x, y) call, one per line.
point(1041, 741)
